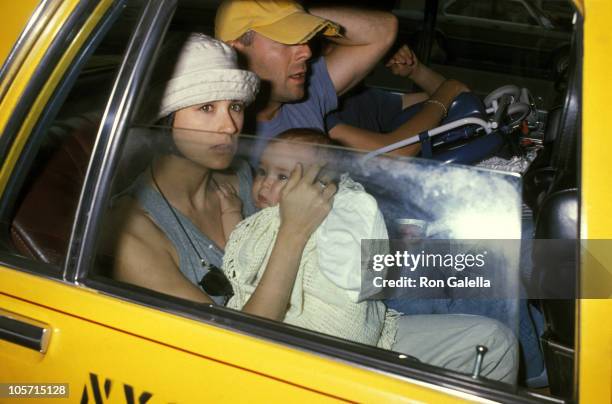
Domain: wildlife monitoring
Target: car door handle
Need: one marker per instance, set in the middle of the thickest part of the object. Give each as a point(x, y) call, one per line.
point(23, 333)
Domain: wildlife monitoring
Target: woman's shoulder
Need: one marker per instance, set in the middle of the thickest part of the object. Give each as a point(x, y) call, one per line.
point(140, 252)
point(128, 223)
point(134, 242)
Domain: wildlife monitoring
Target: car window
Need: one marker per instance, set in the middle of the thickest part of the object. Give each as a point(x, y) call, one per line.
point(560, 12)
point(476, 9)
point(513, 11)
point(425, 207)
point(42, 197)
point(449, 200)
point(153, 250)
point(467, 43)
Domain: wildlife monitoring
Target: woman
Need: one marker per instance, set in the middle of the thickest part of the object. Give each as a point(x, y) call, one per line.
point(172, 237)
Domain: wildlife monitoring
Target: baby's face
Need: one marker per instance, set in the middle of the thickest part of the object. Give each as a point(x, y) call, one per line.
point(275, 166)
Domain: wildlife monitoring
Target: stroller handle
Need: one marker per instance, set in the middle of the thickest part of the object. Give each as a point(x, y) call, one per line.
point(431, 133)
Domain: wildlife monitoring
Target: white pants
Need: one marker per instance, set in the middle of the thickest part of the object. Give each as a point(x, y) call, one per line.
point(450, 340)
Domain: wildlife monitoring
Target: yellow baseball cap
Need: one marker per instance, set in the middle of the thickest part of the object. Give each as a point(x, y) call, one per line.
point(283, 21)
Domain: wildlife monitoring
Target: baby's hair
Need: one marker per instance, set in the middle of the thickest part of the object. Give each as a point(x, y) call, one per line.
point(315, 138)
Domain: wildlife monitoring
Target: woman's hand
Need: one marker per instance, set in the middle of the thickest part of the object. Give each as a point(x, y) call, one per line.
point(231, 208)
point(305, 202)
point(448, 91)
point(404, 63)
point(228, 199)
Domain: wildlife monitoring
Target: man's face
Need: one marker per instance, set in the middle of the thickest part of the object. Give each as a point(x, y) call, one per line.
point(282, 66)
point(275, 166)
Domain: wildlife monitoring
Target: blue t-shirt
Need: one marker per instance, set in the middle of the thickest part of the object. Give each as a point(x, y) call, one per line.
point(320, 99)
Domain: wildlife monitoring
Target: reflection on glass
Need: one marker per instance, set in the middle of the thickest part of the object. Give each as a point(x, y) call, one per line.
point(409, 199)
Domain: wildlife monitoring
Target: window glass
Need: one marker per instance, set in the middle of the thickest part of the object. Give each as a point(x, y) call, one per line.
point(150, 234)
point(476, 9)
point(46, 187)
point(514, 11)
point(468, 44)
point(560, 12)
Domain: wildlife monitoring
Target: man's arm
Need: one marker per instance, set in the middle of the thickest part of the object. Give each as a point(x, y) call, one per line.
point(367, 36)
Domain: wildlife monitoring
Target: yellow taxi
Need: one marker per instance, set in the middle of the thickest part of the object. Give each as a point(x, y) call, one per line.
point(73, 73)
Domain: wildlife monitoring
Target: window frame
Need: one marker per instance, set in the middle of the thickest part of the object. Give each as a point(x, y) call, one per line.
point(74, 24)
point(498, 10)
point(43, 71)
point(456, 15)
point(125, 94)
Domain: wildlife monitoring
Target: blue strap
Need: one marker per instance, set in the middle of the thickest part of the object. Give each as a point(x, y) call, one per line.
point(426, 148)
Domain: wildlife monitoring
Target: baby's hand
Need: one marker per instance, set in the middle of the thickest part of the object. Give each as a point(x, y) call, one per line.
point(404, 63)
point(229, 199)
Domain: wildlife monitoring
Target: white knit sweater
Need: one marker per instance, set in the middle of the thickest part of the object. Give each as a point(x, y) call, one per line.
point(324, 297)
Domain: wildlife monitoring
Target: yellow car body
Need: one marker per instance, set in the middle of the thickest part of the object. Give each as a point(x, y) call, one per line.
point(113, 350)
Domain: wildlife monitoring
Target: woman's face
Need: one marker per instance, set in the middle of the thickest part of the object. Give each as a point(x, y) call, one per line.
point(207, 134)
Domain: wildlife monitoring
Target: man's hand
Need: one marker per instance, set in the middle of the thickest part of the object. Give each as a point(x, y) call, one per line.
point(404, 63)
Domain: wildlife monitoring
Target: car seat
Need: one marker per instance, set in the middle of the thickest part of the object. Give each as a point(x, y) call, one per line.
point(42, 224)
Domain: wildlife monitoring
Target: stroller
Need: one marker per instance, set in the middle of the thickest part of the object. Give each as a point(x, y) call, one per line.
point(474, 129)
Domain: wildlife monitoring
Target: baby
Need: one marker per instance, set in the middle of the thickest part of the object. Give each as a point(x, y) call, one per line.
point(275, 166)
point(327, 295)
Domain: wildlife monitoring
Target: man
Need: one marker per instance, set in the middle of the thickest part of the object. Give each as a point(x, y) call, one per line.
point(273, 38)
